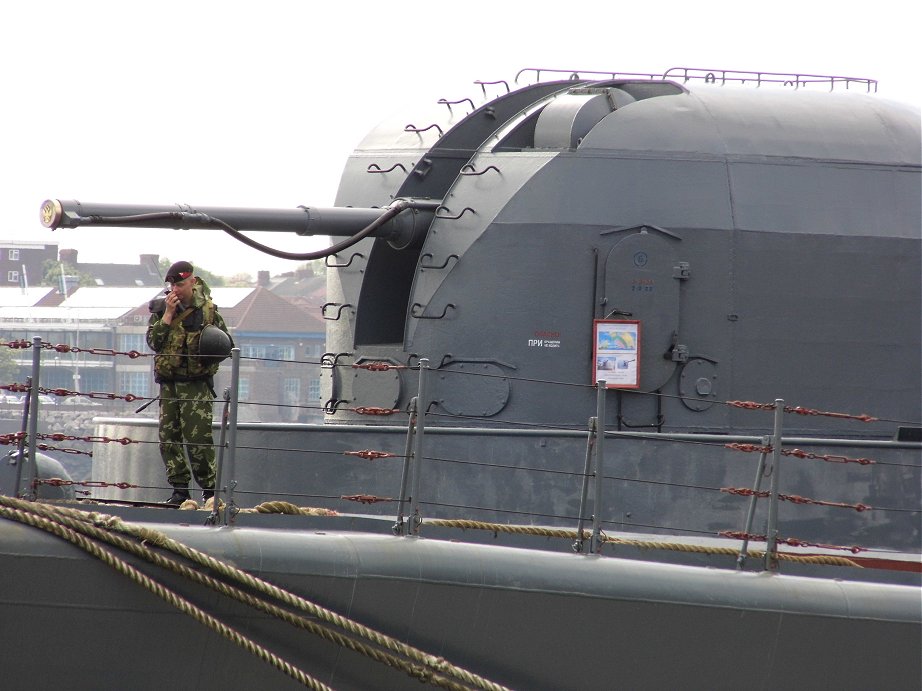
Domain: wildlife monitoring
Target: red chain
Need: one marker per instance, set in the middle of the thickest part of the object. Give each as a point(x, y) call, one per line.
point(58, 482)
point(75, 452)
point(378, 366)
point(65, 348)
point(864, 417)
point(12, 438)
point(794, 499)
point(369, 410)
point(129, 397)
point(22, 343)
point(57, 436)
point(749, 448)
point(793, 541)
point(370, 455)
point(751, 405)
point(365, 498)
point(827, 457)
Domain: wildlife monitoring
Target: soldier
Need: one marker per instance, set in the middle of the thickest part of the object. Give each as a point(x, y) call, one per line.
point(178, 332)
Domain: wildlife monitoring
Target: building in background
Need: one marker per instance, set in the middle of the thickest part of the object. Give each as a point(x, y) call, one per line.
point(280, 346)
point(21, 263)
point(97, 329)
point(145, 273)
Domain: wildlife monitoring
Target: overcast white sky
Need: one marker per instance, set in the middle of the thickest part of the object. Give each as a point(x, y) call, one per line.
point(259, 104)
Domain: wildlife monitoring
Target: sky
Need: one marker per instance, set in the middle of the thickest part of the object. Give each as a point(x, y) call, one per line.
point(260, 104)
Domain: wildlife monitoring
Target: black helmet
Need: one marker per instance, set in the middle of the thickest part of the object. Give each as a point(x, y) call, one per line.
point(214, 343)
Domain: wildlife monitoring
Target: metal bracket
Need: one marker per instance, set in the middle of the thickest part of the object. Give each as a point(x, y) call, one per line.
point(419, 315)
point(339, 312)
point(681, 271)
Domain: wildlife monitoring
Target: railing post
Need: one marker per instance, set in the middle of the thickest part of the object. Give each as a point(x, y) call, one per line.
point(771, 533)
point(230, 467)
point(20, 453)
point(219, 475)
point(750, 514)
point(584, 494)
point(594, 541)
point(415, 518)
point(400, 525)
point(29, 463)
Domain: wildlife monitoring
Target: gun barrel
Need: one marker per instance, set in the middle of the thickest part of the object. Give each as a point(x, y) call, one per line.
point(334, 221)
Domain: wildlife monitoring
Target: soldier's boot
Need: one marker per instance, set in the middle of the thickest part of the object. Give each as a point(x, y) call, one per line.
point(180, 494)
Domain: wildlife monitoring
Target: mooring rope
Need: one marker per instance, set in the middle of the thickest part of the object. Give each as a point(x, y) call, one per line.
point(428, 668)
point(465, 524)
point(290, 509)
point(9, 510)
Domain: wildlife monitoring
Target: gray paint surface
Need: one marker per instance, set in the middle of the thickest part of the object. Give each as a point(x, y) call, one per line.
point(796, 217)
point(515, 616)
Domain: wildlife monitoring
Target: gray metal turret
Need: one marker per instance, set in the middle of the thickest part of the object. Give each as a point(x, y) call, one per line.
point(764, 238)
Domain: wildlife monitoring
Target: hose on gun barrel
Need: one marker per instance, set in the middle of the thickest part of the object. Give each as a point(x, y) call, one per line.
point(389, 212)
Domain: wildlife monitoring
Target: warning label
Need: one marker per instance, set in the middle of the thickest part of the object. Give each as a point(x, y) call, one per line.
point(545, 339)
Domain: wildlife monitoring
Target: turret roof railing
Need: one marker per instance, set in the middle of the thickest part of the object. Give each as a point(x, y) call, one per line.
point(710, 76)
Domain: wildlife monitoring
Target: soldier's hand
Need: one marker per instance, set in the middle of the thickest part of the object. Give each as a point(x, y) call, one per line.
point(172, 305)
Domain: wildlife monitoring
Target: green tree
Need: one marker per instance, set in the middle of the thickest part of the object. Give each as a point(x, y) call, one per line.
point(8, 368)
point(51, 274)
point(318, 268)
point(243, 280)
point(211, 279)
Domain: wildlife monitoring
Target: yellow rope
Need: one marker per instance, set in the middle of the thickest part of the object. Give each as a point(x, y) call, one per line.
point(289, 508)
point(465, 524)
point(27, 517)
point(429, 668)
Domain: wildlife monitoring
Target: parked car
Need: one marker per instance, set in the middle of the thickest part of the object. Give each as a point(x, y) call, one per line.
point(10, 398)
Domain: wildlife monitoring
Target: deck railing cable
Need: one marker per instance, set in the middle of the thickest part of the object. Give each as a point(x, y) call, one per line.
point(420, 457)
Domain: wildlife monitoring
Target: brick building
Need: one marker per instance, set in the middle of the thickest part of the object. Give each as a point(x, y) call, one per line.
point(280, 343)
point(22, 263)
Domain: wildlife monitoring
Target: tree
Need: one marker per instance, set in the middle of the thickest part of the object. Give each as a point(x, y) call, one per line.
point(317, 268)
point(51, 275)
point(9, 370)
point(243, 280)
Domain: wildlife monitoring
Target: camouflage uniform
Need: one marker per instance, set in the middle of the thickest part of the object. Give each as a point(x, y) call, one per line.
point(185, 415)
point(186, 390)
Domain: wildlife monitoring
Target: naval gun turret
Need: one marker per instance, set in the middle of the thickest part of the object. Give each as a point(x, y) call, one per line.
point(765, 242)
point(693, 243)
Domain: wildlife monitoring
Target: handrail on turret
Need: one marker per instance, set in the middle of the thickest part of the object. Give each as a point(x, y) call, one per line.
point(711, 76)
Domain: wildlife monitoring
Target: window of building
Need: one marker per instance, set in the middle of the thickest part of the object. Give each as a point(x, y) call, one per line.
point(14, 255)
point(313, 390)
point(137, 383)
point(12, 276)
point(95, 339)
point(248, 350)
point(286, 352)
point(243, 389)
point(291, 391)
point(129, 342)
point(313, 349)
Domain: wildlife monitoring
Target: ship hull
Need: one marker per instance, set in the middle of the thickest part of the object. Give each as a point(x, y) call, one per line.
point(522, 618)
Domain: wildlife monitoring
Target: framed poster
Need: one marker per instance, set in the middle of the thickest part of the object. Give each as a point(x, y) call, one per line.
point(616, 355)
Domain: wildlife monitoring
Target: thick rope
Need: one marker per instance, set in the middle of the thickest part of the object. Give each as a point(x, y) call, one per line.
point(465, 524)
point(433, 669)
point(289, 508)
point(107, 557)
point(282, 507)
